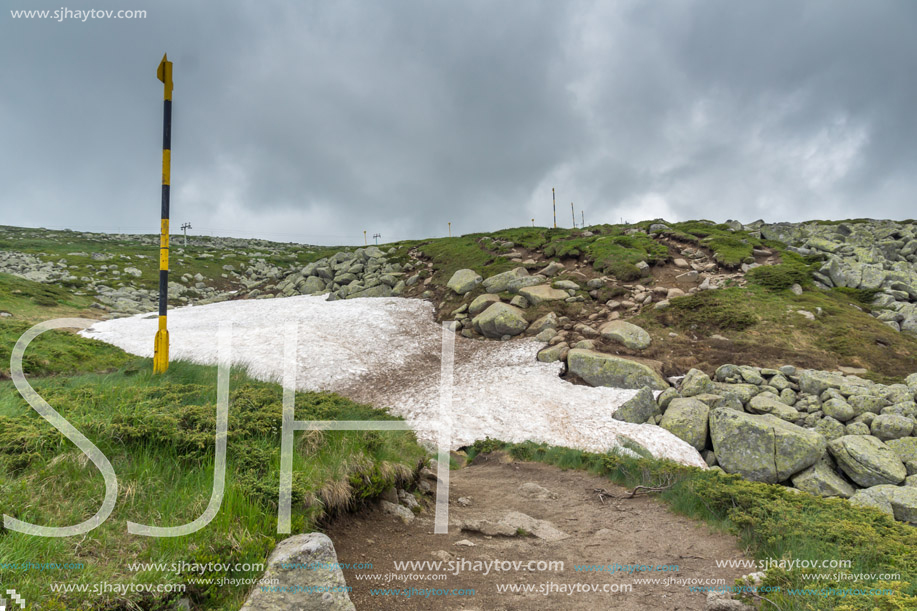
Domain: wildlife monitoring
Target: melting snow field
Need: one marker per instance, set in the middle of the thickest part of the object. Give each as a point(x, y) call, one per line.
point(387, 352)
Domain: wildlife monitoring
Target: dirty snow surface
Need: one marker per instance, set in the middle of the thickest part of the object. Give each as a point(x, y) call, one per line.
point(386, 352)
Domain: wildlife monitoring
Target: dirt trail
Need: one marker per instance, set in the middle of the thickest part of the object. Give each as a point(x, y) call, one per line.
point(637, 531)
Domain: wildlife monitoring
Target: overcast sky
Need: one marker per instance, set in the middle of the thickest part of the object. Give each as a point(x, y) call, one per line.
point(313, 121)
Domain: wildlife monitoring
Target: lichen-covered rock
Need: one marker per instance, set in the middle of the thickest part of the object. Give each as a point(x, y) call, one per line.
point(903, 500)
point(696, 382)
point(864, 403)
point(891, 426)
point(666, 396)
point(744, 392)
point(821, 480)
point(482, 302)
point(541, 293)
point(320, 590)
point(312, 285)
point(830, 428)
point(867, 461)
point(640, 408)
point(500, 319)
point(766, 404)
point(512, 281)
point(687, 419)
point(762, 448)
point(464, 280)
point(838, 409)
point(875, 497)
point(904, 448)
point(599, 369)
point(626, 333)
point(816, 382)
point(557, 352)
point(380, 290)
point(911, 382)
point(548, 321)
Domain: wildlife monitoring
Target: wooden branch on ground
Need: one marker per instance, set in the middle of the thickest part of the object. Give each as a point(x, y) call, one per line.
point(605, 494)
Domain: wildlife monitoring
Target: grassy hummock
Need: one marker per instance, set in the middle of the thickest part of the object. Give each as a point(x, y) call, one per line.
point(158, 432)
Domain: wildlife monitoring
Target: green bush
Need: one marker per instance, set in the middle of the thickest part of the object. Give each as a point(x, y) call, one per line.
point(622, 270)
point(728, 309)
point(778, 277)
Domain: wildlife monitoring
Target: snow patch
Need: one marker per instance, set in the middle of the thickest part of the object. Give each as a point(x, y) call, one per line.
point(386, 352)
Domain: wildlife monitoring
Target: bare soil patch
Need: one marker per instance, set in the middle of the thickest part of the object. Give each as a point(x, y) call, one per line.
point(636, 531)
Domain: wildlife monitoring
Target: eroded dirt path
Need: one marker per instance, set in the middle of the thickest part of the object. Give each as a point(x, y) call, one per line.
point(638, 531)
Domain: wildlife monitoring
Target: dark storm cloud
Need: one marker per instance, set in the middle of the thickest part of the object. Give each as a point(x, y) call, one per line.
point(314, 121)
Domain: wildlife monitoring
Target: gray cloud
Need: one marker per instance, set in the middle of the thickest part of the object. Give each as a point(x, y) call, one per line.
point(315, 121)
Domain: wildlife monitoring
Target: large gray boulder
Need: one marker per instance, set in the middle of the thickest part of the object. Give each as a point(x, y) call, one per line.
point(512, 281)
point(599, 369)
point(766, 403)
point(380, 290)
point(891, 426)
point(821, 480)
point(313, 285)
point(500, 319)
point(542, 292)
point(626, 333)
point(640, 408)
point(867, 461)
point(911, 382)
point(696, 382)
point(875, 497)
point(816, 382)
point(903, 500)
point(482, 302)
point(464, 280)
point(553, 353)
point(371, 252)
point(323, 589)
point(762, 448)
point(897, 501)
point(552, 268)
point(838, 409)
point(906, 450)
point(866, 403)
point(548, 321)
point(687, 419)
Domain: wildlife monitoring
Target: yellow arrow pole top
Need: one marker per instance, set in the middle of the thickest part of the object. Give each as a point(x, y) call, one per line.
point(164, 74)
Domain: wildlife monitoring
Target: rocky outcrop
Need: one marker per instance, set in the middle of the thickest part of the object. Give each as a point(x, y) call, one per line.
point(865, 254)
point(839, 432)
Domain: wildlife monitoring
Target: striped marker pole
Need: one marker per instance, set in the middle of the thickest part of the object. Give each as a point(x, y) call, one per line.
point(161, 343)
point(554, 199)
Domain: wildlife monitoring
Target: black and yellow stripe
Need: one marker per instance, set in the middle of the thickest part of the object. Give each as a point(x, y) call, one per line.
point(161, 343)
